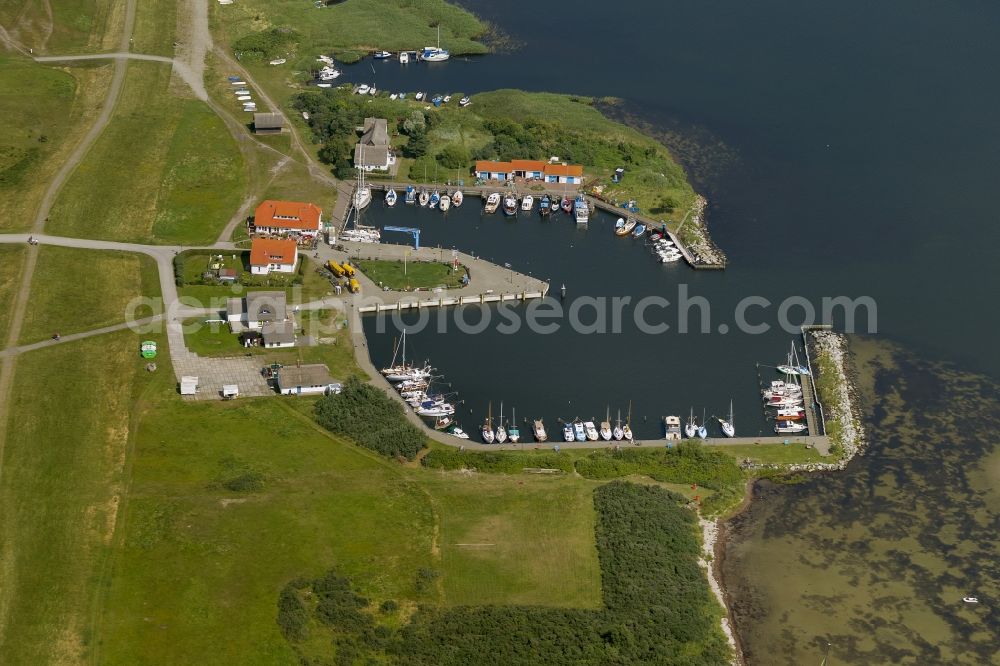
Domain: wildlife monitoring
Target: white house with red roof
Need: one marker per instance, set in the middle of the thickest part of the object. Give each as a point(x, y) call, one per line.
point(287, 218)
point(273, 256)
point(549, 172)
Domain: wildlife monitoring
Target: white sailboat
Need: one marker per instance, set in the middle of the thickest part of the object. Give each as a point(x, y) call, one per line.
point(513, 432)
point(390, 198)
point(690, 427)
point(627, 429)
point(702, 430)
point(457, 198)
point(488, 435)
point(618, 433)
point(728, 425)
point(363, 193)
point(435, 53)
point(501, 431)
point(606, 432)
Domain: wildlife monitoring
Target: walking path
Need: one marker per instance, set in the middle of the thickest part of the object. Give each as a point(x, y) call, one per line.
point(182, 69)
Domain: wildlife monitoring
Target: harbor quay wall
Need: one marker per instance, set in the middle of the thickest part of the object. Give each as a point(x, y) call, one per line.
point(536, 189)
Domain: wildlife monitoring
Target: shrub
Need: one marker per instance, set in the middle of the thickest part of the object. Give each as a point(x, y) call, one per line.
point(267, 44)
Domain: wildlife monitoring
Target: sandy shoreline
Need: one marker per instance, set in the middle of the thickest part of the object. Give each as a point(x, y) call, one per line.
point(711, 547)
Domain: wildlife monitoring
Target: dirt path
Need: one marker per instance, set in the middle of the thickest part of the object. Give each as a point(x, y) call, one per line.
point(182, 69)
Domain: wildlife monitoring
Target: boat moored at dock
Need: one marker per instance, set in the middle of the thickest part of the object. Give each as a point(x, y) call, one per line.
point(492, 203)
point(538, 428)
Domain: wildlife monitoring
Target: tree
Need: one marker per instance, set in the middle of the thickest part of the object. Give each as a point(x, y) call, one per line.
point(417, 122)
point(454, 156)
point(418, 144)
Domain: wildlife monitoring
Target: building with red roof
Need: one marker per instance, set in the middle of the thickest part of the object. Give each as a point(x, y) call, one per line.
point(287, 218)
point(548, 172)
point(273, 256)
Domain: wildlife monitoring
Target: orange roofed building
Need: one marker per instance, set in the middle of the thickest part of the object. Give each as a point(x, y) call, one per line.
point(273, 256)
point(570, 174)
point(287, 218)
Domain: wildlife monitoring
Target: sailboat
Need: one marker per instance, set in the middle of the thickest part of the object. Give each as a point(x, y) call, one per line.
point(690, 427)
point(403, 372)
point(435, 53)
point(793, 367)
point(488, 426)
point(501, 431)
point(618, 433)
point(627, 429)
point(457, 198)
point(513, 432)
point(539, 428)
point(702, 430)
point(435, 198)
point(363, 193)
point(728, 425)
point(424, 198)
point(606, 427)
point(390, 198)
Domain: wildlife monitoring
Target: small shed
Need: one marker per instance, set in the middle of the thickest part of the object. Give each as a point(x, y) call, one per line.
point(189, 385)
point(230, 391)
point(268, 123)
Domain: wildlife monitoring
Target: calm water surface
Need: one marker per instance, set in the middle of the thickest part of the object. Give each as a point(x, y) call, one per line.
point(846, 148)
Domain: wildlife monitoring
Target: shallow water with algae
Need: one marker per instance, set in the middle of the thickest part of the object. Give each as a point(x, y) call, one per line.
point(875, 561)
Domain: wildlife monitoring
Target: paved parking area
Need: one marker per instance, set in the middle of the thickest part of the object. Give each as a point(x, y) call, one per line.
point(212, 373)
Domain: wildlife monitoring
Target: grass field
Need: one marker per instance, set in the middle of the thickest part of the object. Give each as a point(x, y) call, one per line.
point(411, 275)
point(46, 110)
point(65, 474)
point(155, 27)
point(11, 262)
point(308, 502)
point(76, 26)
point(166, 170)
point(76, 290)
point(795, 453)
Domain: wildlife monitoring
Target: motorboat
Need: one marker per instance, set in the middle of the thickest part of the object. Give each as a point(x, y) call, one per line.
point(567, 204)
point(390, 198)
point(619, 225)
point(789, 427)
point(419, 96)
point(780, 401)
point(791, 414)
point(437, 100)
point(435, 199)
point(465, 101)
point(404, 57)
point(513, 432)
point(411, 195)
point(244, 98)
point(492, 202)
point(545, 205)
point(691, 426)
point(443, 423)
point(393, 96)
point(792, 369)
point(510, 205)
point(728, 425)
point(381, 55)
point(445, 203)
point(528, 202)
point(446, 99)
point(457, 198)
point(639, 230)
point(402, 95)
point(970, 600)
point(579, 434)
point(538, 428)
point(591, 431)
point(373, 91)
point(581, 210)
point(432, 408)
point(362, 89)
point(455, 431)
point(669, 258)
point(672, 428)
point(423, 198)
point(568, 432)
